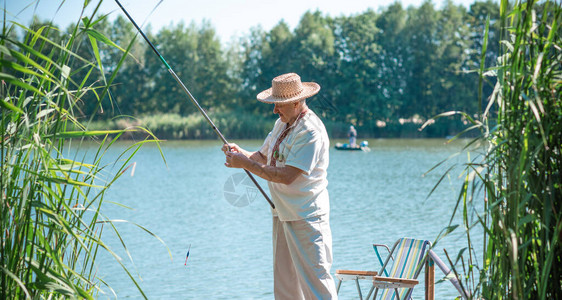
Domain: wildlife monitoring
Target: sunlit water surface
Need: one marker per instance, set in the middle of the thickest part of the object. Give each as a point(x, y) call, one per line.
point(376, 197)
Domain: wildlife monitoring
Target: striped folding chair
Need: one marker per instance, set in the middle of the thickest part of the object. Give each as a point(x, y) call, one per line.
point(399, 272)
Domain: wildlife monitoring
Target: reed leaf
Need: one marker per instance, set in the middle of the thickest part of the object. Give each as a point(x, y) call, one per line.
point(51, 204)
point(7, 105)
point(512, 186)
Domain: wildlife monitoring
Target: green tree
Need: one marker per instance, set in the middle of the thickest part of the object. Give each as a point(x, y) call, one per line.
point(478, 15)
point(392, 58)
point(131, 86)
point(196, 56)
point(360, 92)
point(397, 63)
point(315, 58)
point(268, 55)
point(476, 18)
point(421, 38)
point(250, 70)
point(452, 82)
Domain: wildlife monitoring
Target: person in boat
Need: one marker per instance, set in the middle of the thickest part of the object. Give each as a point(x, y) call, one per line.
point(352, 134)
point(294, 160)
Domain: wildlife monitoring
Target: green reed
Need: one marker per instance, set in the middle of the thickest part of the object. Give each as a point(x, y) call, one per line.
point(50, 218)
point(512, 192)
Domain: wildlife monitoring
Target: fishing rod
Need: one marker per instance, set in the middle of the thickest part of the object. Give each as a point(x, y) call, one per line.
point(180, 83)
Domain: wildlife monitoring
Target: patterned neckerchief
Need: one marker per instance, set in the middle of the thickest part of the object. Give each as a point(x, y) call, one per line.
point(275, 153)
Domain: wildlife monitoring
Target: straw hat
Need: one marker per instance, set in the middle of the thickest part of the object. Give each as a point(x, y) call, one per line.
point(288, 88)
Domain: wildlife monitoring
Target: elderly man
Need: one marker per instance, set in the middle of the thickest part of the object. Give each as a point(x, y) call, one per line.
point(294, 159)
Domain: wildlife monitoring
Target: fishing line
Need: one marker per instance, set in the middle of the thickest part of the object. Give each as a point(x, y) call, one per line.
point(190, 96)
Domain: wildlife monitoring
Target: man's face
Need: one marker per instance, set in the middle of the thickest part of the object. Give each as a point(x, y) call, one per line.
point(287, 112)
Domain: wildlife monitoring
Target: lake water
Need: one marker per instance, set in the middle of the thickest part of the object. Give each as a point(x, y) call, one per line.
point(376, 197)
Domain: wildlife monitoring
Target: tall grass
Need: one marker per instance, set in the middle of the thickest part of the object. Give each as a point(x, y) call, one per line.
point(50, 218)
point(512, 192)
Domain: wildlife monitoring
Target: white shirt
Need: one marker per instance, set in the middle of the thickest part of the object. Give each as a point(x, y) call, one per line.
point(306, 147)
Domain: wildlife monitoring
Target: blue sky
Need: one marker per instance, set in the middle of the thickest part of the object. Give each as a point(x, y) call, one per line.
point(230, 18)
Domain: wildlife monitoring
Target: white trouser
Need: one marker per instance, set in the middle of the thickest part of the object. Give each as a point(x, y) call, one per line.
point(302, 258)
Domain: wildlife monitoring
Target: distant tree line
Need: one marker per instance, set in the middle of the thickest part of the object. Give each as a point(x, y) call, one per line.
point(382, 71)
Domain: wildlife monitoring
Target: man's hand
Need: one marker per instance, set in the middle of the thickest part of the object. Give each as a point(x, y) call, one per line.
point(255, 162)
point(235, 159)
point(235, 156)
point(231, 147)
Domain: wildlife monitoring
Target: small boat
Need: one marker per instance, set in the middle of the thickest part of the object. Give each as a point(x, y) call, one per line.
point(364, 146)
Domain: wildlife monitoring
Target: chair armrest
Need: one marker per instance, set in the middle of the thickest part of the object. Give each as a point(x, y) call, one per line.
point(393, 282)
point(344, 275)
point(353, 272)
